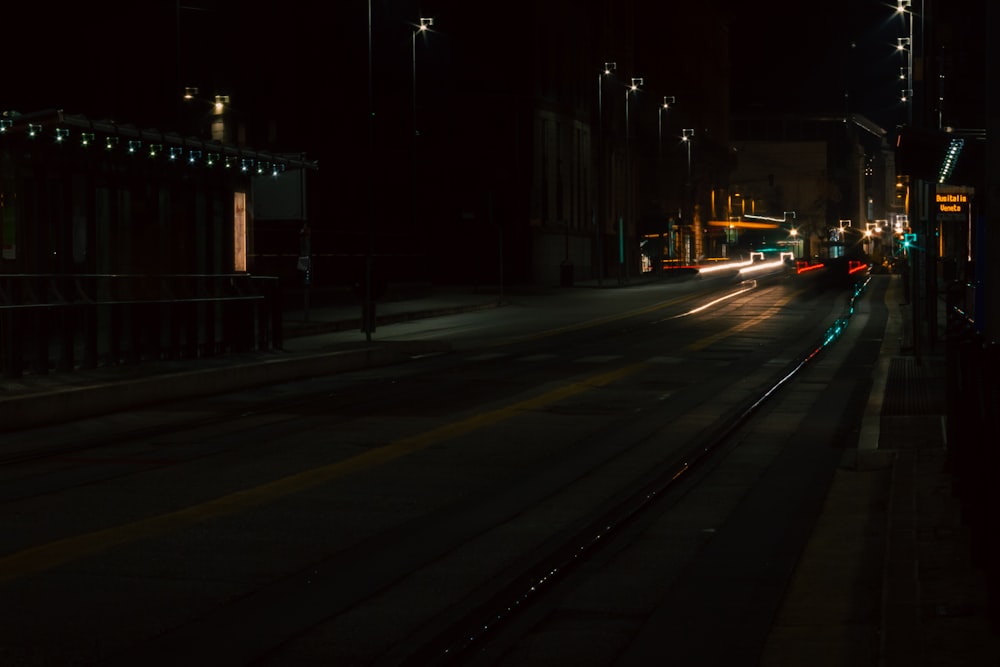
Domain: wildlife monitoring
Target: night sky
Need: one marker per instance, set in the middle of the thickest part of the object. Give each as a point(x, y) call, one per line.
point(125, 61)
point(806, 55)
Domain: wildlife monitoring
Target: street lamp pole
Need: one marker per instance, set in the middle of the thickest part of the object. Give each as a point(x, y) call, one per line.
point(423, 27)
point(609, 68)
point(905, 8)
point(905, 44)
point(686, 137)
point(368, 307)
point(425, 23)
point(667, 101)
point(636, 82)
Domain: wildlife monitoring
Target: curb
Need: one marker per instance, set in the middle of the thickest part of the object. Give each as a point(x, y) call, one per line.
point(45, 408)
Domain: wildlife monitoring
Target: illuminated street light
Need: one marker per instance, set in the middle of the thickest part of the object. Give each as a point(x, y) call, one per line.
point(424, 26)
point(636, 82)
point(609, 68)
point(667, 101)
point(368, 304)
point(904, 8)
point(687, 135)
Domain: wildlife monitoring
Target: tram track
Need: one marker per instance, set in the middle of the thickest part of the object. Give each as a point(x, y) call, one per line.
point(462, 640)
point(469, 490)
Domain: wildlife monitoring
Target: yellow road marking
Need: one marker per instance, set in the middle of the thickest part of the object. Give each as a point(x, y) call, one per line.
point(765, 314)
point(52, 554)
point(600, 320)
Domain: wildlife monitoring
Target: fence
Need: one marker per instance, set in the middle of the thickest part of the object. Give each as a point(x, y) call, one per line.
point(973, 421)
point(65, 322)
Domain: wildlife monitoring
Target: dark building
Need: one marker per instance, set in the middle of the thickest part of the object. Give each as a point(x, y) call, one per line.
point(123, 244)
point(829, 178)
point(512, 146)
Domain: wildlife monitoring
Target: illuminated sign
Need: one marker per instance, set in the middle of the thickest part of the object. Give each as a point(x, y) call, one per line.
point(952, 203)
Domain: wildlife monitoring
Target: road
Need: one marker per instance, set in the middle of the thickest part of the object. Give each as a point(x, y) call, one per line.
point(364, 517)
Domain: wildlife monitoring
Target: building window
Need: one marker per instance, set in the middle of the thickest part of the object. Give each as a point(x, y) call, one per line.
point(240, 231)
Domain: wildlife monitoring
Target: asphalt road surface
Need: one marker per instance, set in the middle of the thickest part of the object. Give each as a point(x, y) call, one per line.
point(369, 517)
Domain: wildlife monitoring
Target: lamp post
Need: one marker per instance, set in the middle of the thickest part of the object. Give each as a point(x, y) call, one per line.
point(422, 28)
point(687, 136)
point(667, 101)
point(636, 82)
point(609, 68)
point(634, 87)
point(905, 45)
point(368, 305)
point(793, 232)
point(425, 24)
point(904, 8)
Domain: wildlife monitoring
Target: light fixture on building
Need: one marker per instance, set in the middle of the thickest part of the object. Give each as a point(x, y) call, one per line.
point(950, 159)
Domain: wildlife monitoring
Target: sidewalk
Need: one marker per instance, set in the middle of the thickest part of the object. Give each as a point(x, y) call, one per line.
point(891, 521)
point(325, 339)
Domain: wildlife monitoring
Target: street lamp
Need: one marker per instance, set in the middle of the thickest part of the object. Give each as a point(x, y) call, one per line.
point(904, 7)
point(425, 24)
point(423, 27)
point(609, 68)
point(687, 137)
point(368, 305)
point(634, 87)
point(905, 45)
point(667, 101)
point(636, 82)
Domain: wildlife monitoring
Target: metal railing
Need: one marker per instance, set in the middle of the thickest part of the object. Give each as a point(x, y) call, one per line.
point(973, 429)
point(63, 322)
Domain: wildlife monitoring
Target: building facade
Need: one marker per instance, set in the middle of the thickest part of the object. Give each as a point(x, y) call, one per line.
point(119, 244)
